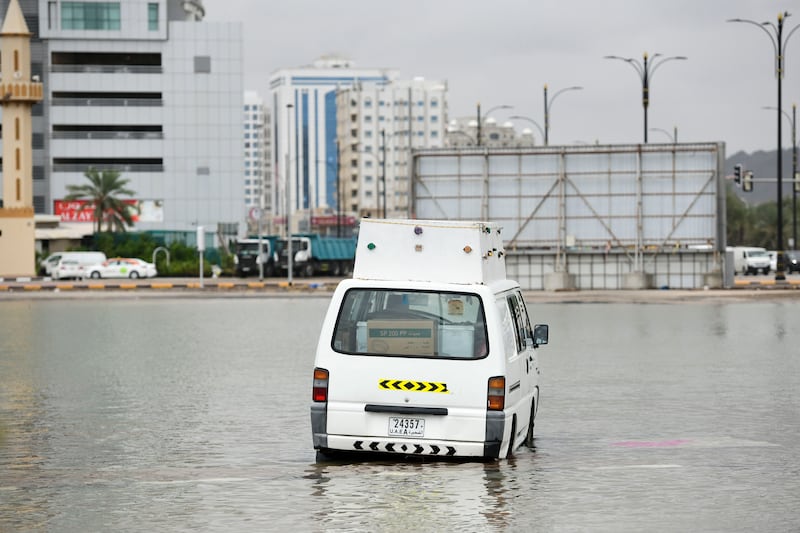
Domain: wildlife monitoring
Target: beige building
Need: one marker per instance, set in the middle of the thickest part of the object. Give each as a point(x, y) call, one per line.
point(378, 126)
point(18, 92)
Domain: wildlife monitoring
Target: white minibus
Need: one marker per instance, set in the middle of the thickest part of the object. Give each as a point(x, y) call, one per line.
point(429, 349)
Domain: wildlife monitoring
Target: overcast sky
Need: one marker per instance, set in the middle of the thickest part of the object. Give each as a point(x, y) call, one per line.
point(503, 52)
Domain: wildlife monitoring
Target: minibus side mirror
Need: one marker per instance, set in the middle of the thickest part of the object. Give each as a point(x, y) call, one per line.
point(540, 334)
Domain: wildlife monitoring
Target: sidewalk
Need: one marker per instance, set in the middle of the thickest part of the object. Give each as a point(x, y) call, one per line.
point(21, 288)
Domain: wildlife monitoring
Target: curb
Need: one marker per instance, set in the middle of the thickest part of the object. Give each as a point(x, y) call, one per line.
point(225, 286)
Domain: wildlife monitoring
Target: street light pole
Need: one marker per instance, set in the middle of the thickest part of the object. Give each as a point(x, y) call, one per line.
point(795, 184)
point(779, 45)
point(645, 69)
point(547, 105)
point(287, 179)
point(795, 177)
point(481, 117)
point(673, 137)
point(528, 119)
point(338, 191)
point(383, 170)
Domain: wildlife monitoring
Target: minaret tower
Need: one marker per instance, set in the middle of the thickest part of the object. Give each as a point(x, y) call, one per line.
point(17, 94)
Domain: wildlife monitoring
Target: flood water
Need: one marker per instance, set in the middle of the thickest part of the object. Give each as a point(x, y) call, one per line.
point(185, 414)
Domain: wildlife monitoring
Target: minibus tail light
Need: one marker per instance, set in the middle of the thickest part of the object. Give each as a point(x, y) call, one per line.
point(320, 388)
point(496, 395)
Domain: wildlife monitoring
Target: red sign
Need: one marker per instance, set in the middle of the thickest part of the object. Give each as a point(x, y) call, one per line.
point(82, 210)
point(330, 220)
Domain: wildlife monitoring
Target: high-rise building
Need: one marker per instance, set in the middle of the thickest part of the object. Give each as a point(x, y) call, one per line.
point(304, 121)
point(150, 90)
point(256, 152)
point(378, 126)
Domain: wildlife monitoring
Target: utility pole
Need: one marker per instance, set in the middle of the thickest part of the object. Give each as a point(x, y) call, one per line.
point(383, 170)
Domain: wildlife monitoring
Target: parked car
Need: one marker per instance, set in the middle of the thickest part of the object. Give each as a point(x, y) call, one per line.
point(46, 266)
point(122, 267)
point(792, 261)
point(773, 260)
point(67, 268)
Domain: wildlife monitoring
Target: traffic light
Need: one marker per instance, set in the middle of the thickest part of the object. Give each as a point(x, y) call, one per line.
point(737, 174)
point(747, 181)
point(797, 182)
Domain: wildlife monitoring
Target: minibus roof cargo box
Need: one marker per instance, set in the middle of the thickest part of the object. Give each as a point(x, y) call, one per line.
point(448, 251)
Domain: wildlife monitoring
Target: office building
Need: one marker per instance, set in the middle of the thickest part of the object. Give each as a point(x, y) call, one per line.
point(257, 168)
point(378, 126)
point(304, 123)
point(150, 90)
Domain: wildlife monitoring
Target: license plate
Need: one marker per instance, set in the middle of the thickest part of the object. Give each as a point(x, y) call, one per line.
point(406, 427)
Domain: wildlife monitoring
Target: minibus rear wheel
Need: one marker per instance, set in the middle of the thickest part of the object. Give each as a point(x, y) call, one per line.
point(529, 436)
point(510, 452)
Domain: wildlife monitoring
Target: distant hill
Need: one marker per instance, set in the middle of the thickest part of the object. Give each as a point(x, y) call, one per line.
point(764, 166)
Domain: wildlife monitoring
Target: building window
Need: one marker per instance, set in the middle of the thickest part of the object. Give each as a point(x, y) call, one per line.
point(52, 14)
point(152, 17)
point(202, 64)
point(90, 16)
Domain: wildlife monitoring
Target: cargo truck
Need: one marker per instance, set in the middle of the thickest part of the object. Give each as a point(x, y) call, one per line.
point(247, 259)
point(315, 254)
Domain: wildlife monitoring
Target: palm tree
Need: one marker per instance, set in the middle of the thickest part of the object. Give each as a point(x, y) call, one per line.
point(102, 192)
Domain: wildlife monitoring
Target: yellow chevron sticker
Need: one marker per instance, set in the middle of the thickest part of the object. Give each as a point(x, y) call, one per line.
point(407, 385)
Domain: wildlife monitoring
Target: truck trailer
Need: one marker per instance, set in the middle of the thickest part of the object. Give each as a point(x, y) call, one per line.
point(314, 254)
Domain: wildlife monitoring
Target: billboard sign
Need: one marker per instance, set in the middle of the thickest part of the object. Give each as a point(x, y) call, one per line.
point(82, 210)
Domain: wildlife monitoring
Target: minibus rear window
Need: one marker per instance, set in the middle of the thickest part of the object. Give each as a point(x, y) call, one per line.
point(390, 322)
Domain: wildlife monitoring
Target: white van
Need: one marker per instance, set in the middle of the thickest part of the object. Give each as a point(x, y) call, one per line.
point(84, 259)
point(750, 260)
point(429, 349)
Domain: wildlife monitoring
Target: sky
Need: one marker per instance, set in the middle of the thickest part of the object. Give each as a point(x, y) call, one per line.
point(504, 52)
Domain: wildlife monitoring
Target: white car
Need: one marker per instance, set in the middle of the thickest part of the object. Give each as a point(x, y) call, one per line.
point(121, 267)
point(67, 269)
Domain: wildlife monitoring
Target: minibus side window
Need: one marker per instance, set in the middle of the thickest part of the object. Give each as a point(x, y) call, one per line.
point(526, 331)
point(516, 320)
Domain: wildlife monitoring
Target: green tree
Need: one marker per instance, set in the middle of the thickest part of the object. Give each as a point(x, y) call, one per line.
point(103, 191)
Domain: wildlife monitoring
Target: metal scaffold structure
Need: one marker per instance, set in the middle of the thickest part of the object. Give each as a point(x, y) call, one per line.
point(599, 216)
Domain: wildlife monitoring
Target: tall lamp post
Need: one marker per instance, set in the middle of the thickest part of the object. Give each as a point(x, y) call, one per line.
point(547, 105)
point(383, 171)
point(779, 46)
point(287, 179)
point(528, 119)
point(795, 177)
point(481, 118)
point(646, 68)
point(673, 137)
point(381, 179)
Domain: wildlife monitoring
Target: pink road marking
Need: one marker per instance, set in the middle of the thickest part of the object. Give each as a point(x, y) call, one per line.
point(650, 444)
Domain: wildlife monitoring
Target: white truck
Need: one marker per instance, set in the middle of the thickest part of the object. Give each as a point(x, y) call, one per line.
point(428, 350)
point(750, 260)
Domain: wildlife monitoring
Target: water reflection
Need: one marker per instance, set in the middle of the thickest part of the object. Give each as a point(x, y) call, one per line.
point(400, 496)
point(193, 414)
